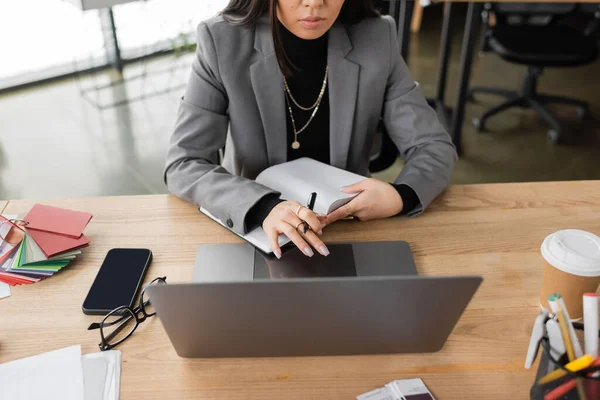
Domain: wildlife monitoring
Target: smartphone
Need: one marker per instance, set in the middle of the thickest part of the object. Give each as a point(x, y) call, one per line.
point(118, 281)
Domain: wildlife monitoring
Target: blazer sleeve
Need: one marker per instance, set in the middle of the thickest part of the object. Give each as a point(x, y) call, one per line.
point(192, 171)
point(414, 127)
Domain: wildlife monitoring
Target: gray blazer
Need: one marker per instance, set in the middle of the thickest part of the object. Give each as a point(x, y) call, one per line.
point(235, 99)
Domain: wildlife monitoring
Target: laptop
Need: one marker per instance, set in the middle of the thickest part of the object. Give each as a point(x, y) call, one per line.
point(364, 298)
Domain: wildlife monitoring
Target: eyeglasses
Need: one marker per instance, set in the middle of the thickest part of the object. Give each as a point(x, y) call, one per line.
point(119, 324)
point(10, 235)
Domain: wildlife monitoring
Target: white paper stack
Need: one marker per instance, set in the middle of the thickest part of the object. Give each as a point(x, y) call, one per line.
point(63, 374)
point(406, 389)
point(102, 375)
point(4, 290)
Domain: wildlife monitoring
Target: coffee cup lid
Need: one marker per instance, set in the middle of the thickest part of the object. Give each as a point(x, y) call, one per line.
point(573, 251)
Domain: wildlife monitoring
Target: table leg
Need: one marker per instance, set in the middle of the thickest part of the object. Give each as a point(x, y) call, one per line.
point(415, 23)
point(466, 61)
point(445, 48)
point(437, 102)
point(404, 21)
point(111, 42)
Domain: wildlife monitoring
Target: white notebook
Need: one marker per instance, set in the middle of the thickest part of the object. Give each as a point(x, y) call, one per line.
point(296, 180)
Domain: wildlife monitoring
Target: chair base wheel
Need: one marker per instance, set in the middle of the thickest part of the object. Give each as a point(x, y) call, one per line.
point(478, 125)
point(581, 112)
point(553, 136)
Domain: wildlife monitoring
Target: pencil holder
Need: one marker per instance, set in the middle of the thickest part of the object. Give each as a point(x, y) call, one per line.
point(569, 386)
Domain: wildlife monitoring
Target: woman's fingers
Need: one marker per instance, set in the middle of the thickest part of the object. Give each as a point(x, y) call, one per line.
point(322, 220)
point(310, 236)
point(292, 220)
point(357, 187)
point(273, 236)
point(291, 232)
point(311, 219)
point(316, 242)
point(347, 210)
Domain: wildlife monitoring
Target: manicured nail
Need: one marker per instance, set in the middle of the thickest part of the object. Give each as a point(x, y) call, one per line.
point(324, 250)
point(320, 233)
point(277, 253)
point(308, 252)
point(323, 226)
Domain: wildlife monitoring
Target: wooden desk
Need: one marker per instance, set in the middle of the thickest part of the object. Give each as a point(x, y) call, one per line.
point(492, 230)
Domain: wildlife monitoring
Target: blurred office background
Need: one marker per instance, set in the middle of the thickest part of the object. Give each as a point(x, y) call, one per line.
point(72, 125)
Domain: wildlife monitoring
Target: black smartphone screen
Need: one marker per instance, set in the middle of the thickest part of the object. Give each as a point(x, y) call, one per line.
point(118, 280)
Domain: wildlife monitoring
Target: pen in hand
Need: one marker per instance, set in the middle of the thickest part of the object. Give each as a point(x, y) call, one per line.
point(310, 204)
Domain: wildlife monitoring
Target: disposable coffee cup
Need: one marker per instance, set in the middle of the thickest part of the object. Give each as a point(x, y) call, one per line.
point(571, 268)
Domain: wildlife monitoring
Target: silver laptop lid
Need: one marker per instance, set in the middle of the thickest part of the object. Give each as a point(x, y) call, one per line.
point(312, 317)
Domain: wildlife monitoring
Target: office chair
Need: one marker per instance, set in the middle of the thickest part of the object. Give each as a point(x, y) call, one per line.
point(384, 153)
point(532, 34)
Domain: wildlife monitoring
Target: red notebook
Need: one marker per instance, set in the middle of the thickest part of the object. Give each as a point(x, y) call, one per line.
point(57, 220)
point(53, 244)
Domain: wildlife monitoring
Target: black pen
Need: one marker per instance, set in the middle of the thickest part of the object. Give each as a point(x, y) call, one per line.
point(310, 204)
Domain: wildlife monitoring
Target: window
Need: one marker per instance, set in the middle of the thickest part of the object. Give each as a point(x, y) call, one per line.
point(43, 39)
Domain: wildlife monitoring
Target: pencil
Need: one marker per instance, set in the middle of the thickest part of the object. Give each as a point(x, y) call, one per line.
point(574, 366)
point(562, 322)
point(566, 387)
point(565, 333)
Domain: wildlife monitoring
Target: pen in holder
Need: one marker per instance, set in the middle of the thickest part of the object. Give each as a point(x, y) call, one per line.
point(579, 378)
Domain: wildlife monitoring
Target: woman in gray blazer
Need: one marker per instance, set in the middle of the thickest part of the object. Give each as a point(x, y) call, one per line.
point(275, 80)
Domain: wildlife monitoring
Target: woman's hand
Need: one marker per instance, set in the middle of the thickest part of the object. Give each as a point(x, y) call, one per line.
point(287, 217)
point(376, 199)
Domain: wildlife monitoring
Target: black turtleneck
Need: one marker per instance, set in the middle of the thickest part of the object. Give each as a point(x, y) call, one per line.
point(309, 58)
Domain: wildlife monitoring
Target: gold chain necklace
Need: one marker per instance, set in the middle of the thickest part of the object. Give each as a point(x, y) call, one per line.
point(296, 143)
point(289, 92)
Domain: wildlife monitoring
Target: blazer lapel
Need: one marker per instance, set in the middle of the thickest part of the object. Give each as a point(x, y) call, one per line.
point(267, 83)
point(343, 89)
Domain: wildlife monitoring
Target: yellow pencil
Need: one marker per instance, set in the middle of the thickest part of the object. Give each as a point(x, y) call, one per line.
point(574, 366)
point(564, 330)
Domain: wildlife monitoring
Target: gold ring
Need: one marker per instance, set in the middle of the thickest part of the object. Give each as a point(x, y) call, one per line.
point(348, 210)
point(299, 223)
point(300, 207)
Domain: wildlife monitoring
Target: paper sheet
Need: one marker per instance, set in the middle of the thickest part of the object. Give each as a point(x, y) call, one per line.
point(108, 365)
point(297, 179)
point(4, 290)
point(11, 278)
point(404, 389)
point(57, 220)
point(55, 245)
point(33, 253)
point(53, 375)
point(4, 229)
point(94, 377)
point(377, 394)
point(63, 374)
